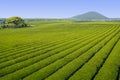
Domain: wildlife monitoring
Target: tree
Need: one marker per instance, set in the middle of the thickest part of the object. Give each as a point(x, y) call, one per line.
point(15, 22)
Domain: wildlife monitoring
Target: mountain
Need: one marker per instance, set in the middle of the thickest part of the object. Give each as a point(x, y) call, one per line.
point(90, 16)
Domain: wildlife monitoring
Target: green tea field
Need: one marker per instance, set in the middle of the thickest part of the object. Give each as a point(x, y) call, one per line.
point(63, 50)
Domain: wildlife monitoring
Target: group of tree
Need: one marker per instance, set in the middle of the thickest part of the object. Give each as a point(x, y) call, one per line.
point(13, 22)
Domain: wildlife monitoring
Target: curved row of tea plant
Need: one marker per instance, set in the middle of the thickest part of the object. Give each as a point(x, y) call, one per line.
point(74, 51)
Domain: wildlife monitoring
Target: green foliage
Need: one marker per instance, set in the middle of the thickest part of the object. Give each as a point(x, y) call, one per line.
point(72, 66)
point(14, 22)
point(59, 51)
point(90, 68)
point(110, 69)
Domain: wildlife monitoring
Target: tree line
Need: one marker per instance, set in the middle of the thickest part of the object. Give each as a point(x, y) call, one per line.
point(13, 22)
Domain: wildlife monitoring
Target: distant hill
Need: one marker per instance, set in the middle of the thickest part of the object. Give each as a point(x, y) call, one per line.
point(114, 19)
point(90, 16)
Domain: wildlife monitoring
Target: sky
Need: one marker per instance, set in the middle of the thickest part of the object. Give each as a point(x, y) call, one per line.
point(57, 8)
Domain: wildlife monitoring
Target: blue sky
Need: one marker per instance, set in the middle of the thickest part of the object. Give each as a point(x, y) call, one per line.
point(57, 8)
